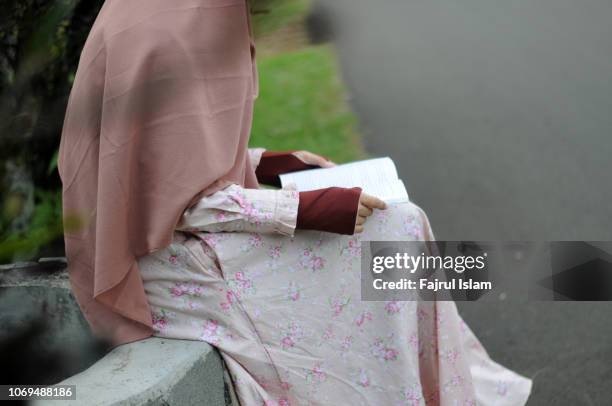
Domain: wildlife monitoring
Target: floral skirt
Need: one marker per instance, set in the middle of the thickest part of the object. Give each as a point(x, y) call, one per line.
point(286, 315)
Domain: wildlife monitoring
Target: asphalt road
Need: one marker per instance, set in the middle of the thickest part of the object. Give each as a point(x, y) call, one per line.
point(499, 116)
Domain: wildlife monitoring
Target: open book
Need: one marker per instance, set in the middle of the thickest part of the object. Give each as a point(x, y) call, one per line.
point(377, 177)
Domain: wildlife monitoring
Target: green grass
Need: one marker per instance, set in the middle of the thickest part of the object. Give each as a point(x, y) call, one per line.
point(302, 105)
point(278, 13)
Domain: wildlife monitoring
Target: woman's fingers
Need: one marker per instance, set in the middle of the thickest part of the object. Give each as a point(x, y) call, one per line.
point(367, 204)
point(372, 202)
point(313, 159)
point(364, 211)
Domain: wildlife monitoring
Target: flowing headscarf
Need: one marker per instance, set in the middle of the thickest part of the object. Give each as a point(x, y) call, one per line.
point(159, 116)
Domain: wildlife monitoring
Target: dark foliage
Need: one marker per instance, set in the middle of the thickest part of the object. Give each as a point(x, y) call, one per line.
point(40, 44)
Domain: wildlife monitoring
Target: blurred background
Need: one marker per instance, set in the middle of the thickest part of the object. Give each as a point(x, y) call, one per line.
point(497, 113)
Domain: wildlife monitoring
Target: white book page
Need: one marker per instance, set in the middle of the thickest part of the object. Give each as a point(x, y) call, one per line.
point(377, 177)
point(394, 192)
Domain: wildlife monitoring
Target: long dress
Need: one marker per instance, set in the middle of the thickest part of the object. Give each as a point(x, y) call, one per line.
point(283, 308)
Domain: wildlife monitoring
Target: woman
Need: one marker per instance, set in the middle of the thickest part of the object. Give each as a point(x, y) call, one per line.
point(168, 234)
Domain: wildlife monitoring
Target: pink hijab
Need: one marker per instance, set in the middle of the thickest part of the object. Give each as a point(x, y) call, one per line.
point(159, 115)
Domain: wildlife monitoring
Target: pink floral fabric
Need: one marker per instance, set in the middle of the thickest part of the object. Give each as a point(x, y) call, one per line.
point(286, 315)
point(244, 210)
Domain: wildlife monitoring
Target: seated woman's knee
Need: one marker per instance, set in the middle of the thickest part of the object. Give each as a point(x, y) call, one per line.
point(414, 219)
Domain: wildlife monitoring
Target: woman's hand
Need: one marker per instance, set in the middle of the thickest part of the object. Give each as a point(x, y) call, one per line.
point(367, 204)
point(313, 159)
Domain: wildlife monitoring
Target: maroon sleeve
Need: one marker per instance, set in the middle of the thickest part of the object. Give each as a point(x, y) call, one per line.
point(273, 164)
point(333, 209)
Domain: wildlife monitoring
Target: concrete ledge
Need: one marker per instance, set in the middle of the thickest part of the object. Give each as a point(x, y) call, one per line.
point(31, 292)
point(152, 372)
